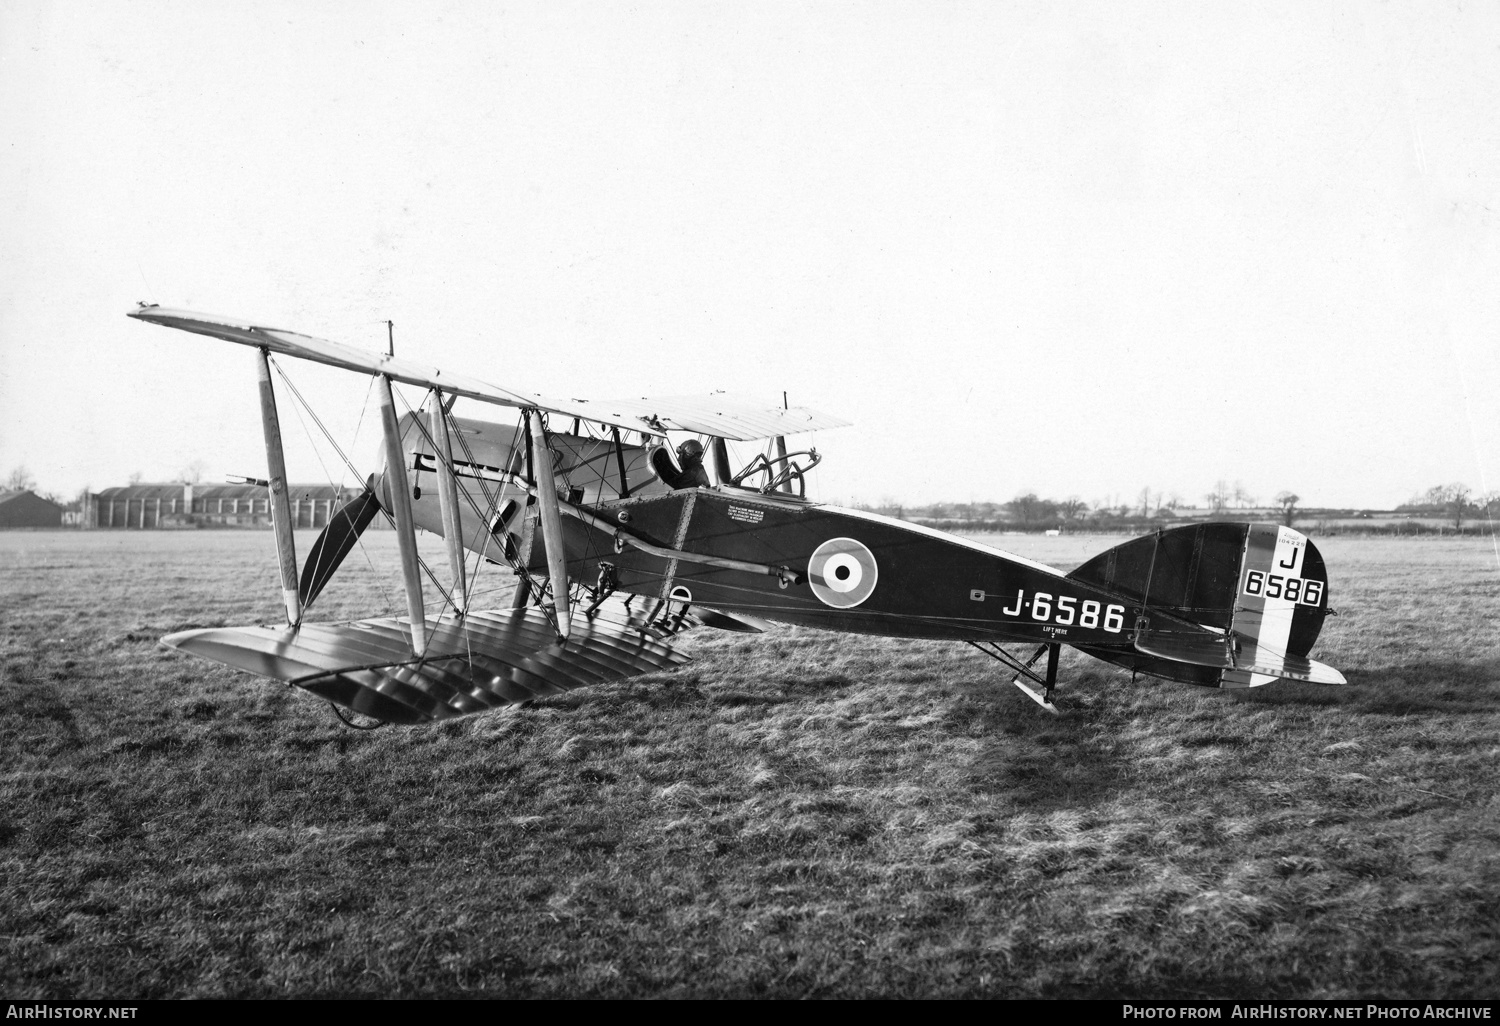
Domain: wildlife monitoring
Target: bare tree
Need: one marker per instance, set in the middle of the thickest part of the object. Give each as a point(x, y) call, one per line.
point(1150, 502)
point(1030, 509)
point(20, 480)
point(1458, 503)
point(1024, 507)
point(1288, 503)
point(1437, 495)
point(1219, 498)
point(135, 477)
point(193, 472)
point(1242, 498)
point(1071, 508)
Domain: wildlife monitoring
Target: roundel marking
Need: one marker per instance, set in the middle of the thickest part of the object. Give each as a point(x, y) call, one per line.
point(842, 572)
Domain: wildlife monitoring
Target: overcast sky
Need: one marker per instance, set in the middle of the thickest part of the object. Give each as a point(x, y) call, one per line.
point(1079, 248)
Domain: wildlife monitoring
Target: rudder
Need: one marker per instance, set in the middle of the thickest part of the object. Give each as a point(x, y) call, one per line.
point(1281, 602)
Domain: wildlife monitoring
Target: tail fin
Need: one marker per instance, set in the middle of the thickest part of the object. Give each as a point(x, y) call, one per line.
point(1263, 587)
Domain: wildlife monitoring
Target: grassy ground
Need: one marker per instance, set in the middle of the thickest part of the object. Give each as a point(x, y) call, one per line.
point(793, 814)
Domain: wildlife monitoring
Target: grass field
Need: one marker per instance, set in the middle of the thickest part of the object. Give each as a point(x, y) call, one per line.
point(795, 814)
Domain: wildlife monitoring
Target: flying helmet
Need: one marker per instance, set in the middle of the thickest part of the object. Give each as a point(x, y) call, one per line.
point(690, 451)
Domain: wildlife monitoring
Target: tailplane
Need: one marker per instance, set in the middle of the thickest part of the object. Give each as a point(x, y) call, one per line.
point(1260, 590)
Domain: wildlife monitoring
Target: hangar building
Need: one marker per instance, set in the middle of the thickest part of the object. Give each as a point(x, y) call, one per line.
point(148, 506)
point(28, 509)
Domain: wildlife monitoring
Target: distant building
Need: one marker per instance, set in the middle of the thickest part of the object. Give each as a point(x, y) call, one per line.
point(150, 506)
point(27, 509)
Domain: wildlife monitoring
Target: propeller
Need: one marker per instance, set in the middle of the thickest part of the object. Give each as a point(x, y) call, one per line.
point(344, 528)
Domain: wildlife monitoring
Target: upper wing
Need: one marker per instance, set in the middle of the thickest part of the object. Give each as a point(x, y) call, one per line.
point(718, 414)
point(732, 417)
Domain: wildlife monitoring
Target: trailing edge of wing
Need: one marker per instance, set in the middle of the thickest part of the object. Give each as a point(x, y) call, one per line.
point(1213, 651)
point(717, 414)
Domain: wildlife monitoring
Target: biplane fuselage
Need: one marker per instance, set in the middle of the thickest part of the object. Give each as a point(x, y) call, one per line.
point(899, 580)
point(856, 571)
point(612, 562)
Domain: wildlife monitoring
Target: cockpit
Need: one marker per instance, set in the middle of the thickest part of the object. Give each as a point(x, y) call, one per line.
point(772, 472)
point(596, 463)
point(777, 472)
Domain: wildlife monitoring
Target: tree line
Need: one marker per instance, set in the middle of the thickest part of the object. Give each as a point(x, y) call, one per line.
point(1455, 503)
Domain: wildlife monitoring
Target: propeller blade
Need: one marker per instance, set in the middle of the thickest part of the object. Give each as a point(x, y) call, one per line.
point(344, 528)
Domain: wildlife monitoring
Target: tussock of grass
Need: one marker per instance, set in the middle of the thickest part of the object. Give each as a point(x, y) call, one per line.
point(795, 814)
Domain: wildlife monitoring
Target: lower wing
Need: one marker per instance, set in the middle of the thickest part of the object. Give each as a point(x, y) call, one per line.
point(472, 664)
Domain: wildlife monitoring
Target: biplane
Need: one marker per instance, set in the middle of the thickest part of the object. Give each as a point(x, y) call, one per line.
point(617, 549)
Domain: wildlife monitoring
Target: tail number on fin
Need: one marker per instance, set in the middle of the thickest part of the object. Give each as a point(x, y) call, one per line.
point(1292, 589)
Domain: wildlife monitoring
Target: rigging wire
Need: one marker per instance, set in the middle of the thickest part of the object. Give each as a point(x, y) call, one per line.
point(297, 407)
point(363, 550)
point(487, 517)
point(484, 516)
point(447, 598)
point(326, 434)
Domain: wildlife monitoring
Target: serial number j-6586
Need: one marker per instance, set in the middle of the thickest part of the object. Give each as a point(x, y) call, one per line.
point(1065, 610)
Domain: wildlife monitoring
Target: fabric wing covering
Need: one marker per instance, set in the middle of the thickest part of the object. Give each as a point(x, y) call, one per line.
point(473, 664)
point(718, 414)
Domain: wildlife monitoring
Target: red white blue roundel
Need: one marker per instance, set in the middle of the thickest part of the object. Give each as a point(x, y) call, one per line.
point(842, 573)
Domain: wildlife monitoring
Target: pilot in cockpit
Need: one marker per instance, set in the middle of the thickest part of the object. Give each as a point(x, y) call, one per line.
point(689, 458)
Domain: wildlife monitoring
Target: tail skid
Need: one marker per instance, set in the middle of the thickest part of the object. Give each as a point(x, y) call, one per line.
point(1041, 700)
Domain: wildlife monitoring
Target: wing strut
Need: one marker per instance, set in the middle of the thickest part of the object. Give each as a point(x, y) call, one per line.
point(552, 536)
point(281, 507)
point(406, 534)
point(448, 500)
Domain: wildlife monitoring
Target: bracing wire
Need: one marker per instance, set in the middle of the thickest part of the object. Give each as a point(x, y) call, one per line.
point(363, 551)
point(510, 458)
point(317, 420)
point(302, 404)
point(447, 597)
point(484, 517)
